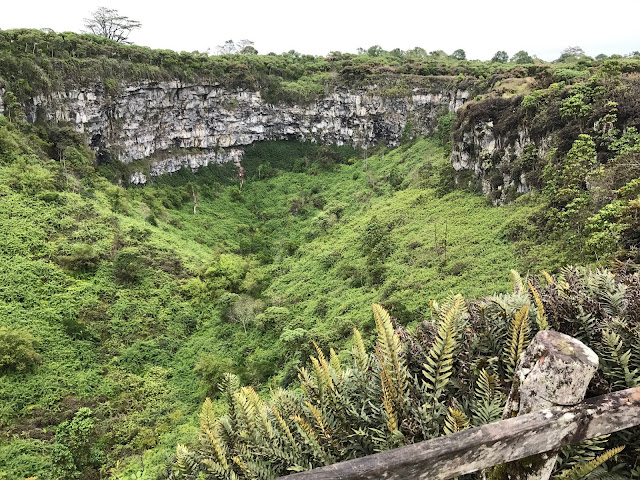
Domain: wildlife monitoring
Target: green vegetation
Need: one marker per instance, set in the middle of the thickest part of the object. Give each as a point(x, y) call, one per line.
point(451, 372)
point(580, 150)
point(36, 62)
point(16, 350)
point(123, 309)
point(125, 302)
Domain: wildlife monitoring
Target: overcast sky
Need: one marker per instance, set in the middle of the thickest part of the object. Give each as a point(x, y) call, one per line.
point(541, 27)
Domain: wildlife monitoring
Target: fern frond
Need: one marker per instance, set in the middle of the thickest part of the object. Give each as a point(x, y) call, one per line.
point(389, 399)
point(389, 351)
point(550, 280)
point(244, 468)
point(259, 469)
point(229, 385)
point(334, 361)
point(516, 282)
point(260, 409)
point(218, 470)
point(486, 386)
point(439, 366)
point(306, 382)
point(284, 428)
point(320, 421)
point(185, 462)
point(384, 327)
point(541, 319)
point(359, 352)
point(226, 431)
point(610, 294)
point(216, 445)
point(487, 411)
point(455, 421)
point(581, 471)
point(207, 414)
point(487, 403)
point(518, 339)
point(583, 452)
point(616, 362)
point(310, 437)
point(321, 358)
point(323, 376)
point(246, 415)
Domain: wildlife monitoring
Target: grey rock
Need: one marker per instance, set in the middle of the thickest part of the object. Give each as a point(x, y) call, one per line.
point(149, 120)
point(483, 153)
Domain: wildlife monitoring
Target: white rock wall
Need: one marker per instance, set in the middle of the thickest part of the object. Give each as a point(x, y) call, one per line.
point(151, 119)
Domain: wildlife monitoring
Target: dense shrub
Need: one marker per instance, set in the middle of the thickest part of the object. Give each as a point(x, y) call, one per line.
point(17, 352)
point(212, 368)
point(75, 451)
point(128, 265)
point(83, 258)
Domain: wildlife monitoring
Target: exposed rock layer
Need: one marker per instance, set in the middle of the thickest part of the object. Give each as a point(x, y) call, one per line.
point(493, 159)
point(154, 120)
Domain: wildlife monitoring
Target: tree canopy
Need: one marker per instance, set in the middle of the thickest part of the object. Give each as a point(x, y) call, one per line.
point(459, 54)
point(521, 57)
point(108, 23)
point(500, 57)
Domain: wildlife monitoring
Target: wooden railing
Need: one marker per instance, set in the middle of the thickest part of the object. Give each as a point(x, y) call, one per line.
point(551, 380)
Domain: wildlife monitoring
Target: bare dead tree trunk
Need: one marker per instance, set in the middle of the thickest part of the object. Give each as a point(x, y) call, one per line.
point(445, 241)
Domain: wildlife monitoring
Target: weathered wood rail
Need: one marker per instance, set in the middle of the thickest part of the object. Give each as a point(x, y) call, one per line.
point(541, 430)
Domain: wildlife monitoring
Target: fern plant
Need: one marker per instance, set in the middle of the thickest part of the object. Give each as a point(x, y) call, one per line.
point(616, 362)
point(488, 402)
point(448, 374)
point(585, 469)
point(438, 367)
point(455, 421)
point(518, 339)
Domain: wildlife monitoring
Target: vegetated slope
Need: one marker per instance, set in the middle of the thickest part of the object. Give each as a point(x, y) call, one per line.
point(125, 302)
point(574, 137)
point(450, 373)
point(37, 62)
point(82, 274)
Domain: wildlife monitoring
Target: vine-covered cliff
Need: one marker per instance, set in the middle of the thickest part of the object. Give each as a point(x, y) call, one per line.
point(508, 139)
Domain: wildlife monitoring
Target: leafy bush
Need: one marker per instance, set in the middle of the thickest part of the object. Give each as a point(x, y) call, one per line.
point(17, 352)
point(83, 258)
point(75, 450)
point(226, 273)
point(212, 368)
point(128, 264)
point(26, 175)
point(274, 318)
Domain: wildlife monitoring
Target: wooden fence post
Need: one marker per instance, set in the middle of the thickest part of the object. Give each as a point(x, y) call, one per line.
point(555, 370)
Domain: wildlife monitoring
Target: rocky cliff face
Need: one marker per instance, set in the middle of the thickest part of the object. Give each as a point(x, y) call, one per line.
point(500, 163)
point(480, 149)
point(168, 125)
